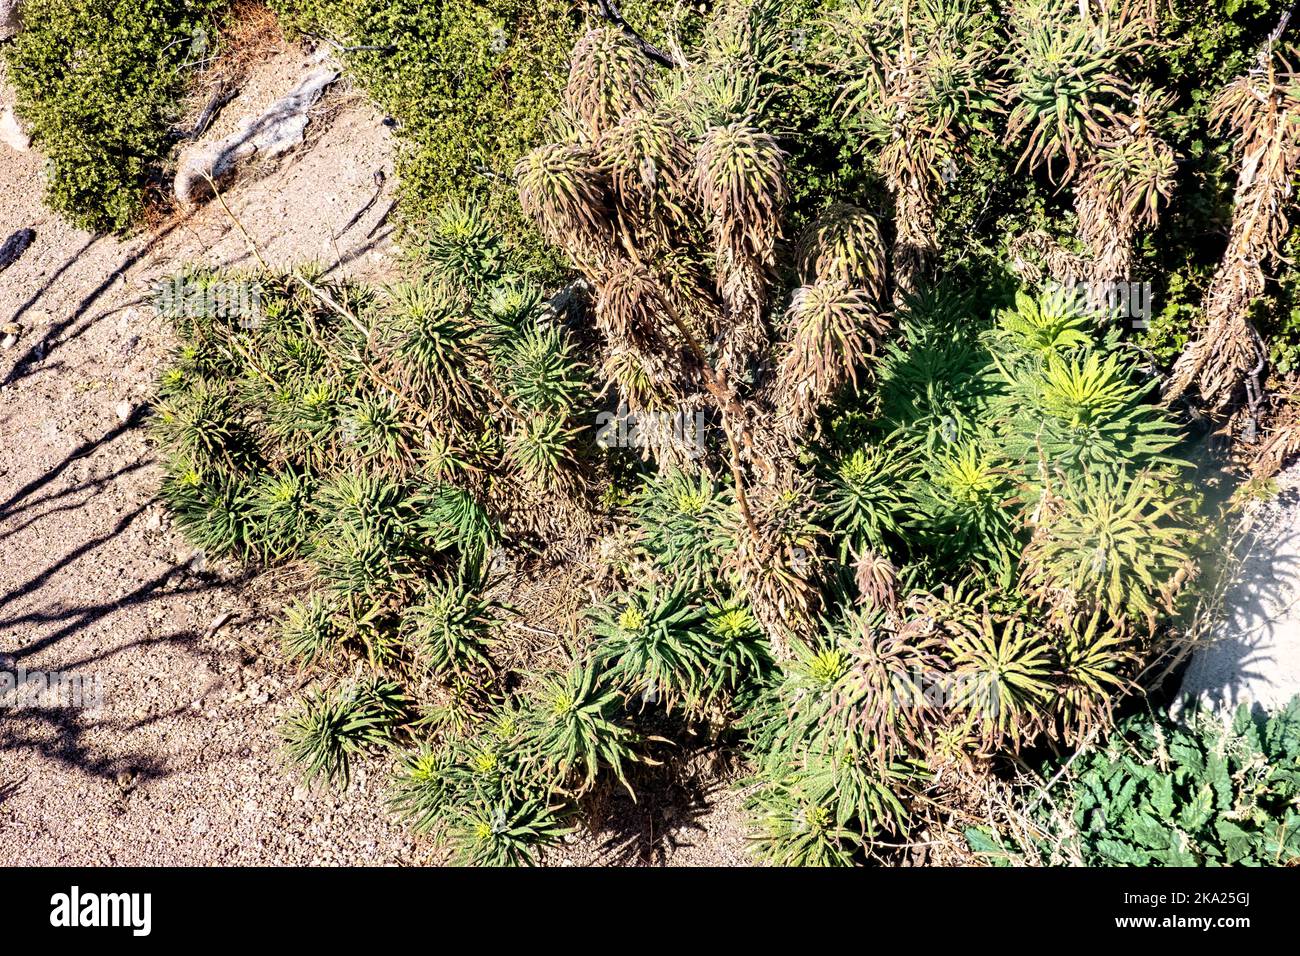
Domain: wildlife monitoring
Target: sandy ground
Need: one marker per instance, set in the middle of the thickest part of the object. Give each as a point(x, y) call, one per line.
point(1251, 653)
point(181, 764)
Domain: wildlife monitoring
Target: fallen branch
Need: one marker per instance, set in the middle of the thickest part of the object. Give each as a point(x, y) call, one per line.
point(608, 10)
point(222, 95)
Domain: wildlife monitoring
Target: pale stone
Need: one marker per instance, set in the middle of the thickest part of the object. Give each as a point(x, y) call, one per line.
point(11, 131)
point(277, 130)
point(1251, 652)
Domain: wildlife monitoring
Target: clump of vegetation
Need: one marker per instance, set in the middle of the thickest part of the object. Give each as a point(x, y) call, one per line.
point(470, 86)
point(917, 525)
point(389, 439)
point(331, 727)
point(98, 85)
point(1162, 792)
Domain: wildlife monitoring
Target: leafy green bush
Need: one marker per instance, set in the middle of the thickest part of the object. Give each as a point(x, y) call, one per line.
point(1163, 792)
point(331, 727)
point(353, 430)
point(924, 524)
point(480, 797)
point(98, 82)
point(966, 563)
point(1019, 524)
point(831, 778)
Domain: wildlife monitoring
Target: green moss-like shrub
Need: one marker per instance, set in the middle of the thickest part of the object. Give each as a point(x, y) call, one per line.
point(98, 83)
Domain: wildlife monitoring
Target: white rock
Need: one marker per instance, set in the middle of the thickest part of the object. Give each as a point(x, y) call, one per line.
point(277, 130)
point(11, 131)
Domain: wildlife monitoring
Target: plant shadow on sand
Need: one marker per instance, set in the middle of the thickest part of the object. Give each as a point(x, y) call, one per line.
point(677, 805)
point(36, 624)
point(1250, 646)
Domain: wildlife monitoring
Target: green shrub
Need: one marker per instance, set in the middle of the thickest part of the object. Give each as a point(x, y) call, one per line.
point(653, 645)
point(985, 410)
point(1164, 792)
point(481, 798)
point(924, 529)
point(98, 82)
point(827, 785)
point(684, 523)
point(332, 727)
point(310, 632)
point(572, 729)
point(350, 430)
point(449, 627)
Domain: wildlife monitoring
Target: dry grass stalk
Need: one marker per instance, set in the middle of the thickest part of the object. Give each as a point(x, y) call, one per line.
point(1281, 442)
point(833, 327)
point(1261, 107)
point(918, 79)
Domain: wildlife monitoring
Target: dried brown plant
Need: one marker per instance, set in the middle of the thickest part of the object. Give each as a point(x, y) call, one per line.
point(1227, 355)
